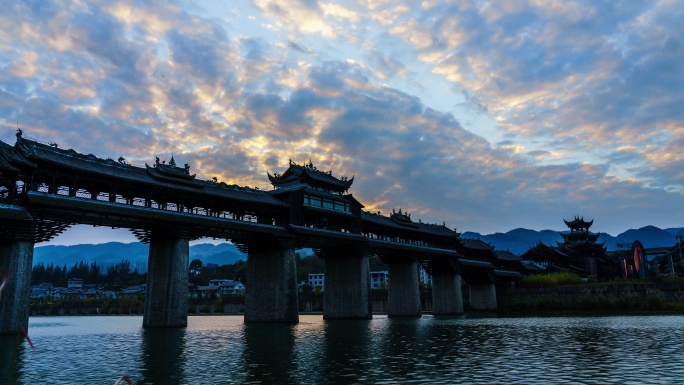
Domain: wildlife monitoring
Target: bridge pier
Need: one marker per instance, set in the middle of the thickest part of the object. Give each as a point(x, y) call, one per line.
point(403, 290)
point(166, 300)
point(271, 285)
point(447, 298)
point(16, 257)
point(346, 294)
point(483, 296)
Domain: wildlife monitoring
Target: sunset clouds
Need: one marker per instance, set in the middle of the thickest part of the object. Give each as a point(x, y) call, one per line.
point(485, 115)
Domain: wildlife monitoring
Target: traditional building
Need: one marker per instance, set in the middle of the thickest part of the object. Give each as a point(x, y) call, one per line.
point(580, 253)
point(320, 199)
point(664, 261)
point(507, 261)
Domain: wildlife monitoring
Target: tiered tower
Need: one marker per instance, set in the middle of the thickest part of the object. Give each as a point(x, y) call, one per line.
point(580, 253)
point(584, 254)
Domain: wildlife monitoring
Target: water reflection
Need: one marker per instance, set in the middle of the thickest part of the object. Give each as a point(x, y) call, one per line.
point(400, 346)
point(309, 345)
point(346, 357)
point(592, 346)
point(12, 348)
point(428, 350)
point(268, 353)
point(432, 334)
point(163, 356)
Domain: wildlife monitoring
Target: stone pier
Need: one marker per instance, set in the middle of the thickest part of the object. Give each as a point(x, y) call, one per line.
point(166, 300)
point(403, 291)
point(483, 296)
point(16, 258)
point(271, 285)
point(447, 298)
point(346, 294)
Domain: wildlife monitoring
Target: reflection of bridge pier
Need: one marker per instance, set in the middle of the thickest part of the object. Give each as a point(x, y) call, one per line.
point(268, 356)
point(164, 352)
point(13, 351)
point(347, 346)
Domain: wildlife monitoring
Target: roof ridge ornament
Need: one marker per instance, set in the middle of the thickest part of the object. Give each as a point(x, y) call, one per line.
point(172, 168)
point(309, 174)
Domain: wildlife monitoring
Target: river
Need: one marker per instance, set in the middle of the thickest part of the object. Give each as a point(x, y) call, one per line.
point(427, 350)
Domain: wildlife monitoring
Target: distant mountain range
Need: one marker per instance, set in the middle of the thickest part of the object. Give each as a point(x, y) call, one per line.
point(516, 241)
point(108, 254)
point(520, 240)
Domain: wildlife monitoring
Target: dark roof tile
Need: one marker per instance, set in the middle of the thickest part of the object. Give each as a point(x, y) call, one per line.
point(126, 172)
point(426, 228)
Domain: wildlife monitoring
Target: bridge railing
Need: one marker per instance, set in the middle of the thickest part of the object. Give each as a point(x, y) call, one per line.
point(246, 215)
point(80, 193)
point(43, 188)
point(402, 240)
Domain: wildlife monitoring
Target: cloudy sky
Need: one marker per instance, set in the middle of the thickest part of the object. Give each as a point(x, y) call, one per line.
point(485, 115)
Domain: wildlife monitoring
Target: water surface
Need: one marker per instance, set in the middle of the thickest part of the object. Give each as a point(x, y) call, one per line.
point(427, 350)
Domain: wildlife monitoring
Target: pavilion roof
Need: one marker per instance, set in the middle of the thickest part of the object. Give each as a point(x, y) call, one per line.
point(426, 228)
point(578, 223)
point(310, 174)
point(540, 250)
point(475, 244)
point(162, 177)
point(505, 255)
point(5, 160)
point(10, 158)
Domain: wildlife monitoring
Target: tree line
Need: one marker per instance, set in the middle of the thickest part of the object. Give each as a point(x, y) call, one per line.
point(118, 275)
point(121, 275)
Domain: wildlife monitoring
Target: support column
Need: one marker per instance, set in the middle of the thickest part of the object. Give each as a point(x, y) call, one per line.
point(16, 258)
point(346, 293)
point(403, 290)
point(483, 296)
point(271, 285)
point(447, 298)
point(166, 300)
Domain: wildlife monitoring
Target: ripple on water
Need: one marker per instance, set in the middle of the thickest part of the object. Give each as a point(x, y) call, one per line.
point(428, 350)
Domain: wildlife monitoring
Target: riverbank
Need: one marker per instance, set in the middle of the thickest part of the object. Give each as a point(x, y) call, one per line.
point(611, 297)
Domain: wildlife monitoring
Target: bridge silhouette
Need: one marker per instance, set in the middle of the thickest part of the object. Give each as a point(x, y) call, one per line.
point(45, 189)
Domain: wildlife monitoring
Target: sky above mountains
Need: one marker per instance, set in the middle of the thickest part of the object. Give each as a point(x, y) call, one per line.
point(484, 115)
